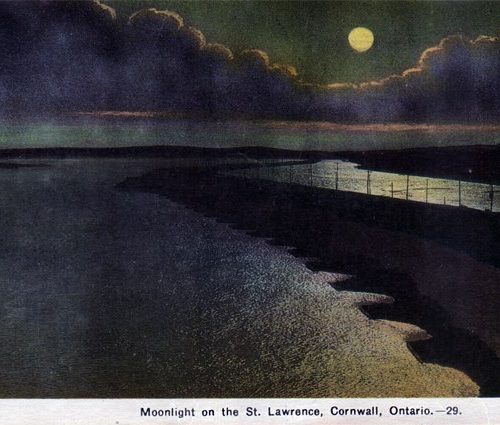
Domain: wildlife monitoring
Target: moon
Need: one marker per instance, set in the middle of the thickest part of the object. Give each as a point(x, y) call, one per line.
point(361, 39)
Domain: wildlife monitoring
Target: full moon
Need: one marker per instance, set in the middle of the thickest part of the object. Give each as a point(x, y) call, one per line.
point(361, 39)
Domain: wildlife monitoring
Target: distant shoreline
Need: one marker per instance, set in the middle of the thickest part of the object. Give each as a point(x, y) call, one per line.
point(477, 163)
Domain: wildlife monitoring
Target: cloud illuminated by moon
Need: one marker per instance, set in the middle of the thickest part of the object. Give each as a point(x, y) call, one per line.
point(361, 39)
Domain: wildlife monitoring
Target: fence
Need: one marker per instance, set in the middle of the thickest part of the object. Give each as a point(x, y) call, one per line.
point(477, 195)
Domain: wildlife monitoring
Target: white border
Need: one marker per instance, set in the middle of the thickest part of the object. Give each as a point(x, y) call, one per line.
point(469, 411)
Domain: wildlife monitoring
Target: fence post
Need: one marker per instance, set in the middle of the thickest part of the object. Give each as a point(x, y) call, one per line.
point(407, 186)
point(392, 189)
point(337, 178)
point(426, 191)
point(492, 194)
point(459, 193)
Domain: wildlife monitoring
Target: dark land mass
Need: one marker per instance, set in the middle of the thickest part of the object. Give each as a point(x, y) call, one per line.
point(469, 163)
point(477, 163)
point(378, 240)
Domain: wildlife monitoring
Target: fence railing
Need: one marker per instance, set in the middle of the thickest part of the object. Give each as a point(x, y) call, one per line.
point(359, 181)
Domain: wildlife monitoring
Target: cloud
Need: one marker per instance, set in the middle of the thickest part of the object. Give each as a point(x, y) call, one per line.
point(457, 79)
point(156, 21)
point(183, 71)
point(77, 56)
point(56, 55)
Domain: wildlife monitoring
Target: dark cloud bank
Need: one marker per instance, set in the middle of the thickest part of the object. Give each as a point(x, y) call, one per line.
point(69, 56)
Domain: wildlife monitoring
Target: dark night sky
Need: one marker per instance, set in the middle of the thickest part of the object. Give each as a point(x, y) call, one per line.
point(431, 62)
point(312, 35)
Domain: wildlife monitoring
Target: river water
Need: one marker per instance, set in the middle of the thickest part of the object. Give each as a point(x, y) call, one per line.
point(108, 293)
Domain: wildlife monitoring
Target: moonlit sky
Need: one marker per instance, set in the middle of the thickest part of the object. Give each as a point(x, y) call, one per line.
point(312, 36)
point(432, 62)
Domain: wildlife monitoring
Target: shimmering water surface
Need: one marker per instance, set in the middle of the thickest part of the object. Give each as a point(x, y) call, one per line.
point(108, 293)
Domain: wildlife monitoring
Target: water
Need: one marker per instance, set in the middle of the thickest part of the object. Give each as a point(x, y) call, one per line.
point(351, 178)
point(108, 293)
point(92, 132)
